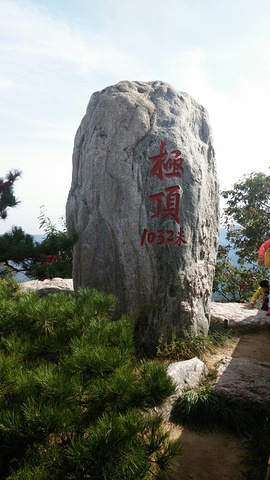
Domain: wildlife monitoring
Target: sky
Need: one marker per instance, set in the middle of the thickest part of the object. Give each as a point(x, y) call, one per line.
point(55, 53)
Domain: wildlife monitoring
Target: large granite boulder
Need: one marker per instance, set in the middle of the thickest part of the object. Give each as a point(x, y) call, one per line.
point(145, 201)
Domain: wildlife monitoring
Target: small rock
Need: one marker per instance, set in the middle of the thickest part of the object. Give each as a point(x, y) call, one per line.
point(49, 286)
point(185, 375)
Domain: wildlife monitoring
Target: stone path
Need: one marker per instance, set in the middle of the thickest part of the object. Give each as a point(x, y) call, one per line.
point(244, 378)
point(244, 373)
point(238, 315)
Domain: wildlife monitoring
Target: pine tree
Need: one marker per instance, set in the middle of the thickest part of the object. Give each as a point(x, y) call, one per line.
point(7, 198)
point(74, 401)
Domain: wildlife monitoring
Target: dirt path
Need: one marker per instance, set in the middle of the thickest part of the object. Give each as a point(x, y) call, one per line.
point(218, 456)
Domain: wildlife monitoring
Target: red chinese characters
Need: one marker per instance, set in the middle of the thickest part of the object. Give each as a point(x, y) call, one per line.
point(168, 201)
point(161, 237)
point(172, 203)
point(180, 238)
point(171, 163)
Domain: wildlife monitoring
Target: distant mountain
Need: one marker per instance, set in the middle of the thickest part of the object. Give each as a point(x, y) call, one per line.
point(39, 238)
point(233, 257)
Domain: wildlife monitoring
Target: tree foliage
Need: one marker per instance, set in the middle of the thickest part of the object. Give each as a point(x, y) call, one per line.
point(236, 283)
point(74, 402)
point(48, 259)
point(56, 250)
point(247, 215)
point(7, 198)
point(19, 247)
point(247, 220)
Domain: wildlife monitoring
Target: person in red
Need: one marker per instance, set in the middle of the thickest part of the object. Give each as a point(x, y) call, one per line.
point(261, 262)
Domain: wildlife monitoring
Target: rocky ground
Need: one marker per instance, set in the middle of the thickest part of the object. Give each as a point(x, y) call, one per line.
point(243, 372)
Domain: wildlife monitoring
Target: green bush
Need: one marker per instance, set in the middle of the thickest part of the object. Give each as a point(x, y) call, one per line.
point(205, 408)
point(199, 346)
point(74, 402)
point(51, 258)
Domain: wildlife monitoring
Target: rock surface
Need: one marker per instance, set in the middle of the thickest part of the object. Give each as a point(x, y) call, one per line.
point(49, 286)
point(238, 314)
point(145, 201)
point(186, 374)
point(245, 380)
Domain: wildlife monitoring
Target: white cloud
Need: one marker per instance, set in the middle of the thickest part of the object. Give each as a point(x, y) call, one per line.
point(5, 83)
point(51, 65)
point(189, 72)
point(55, 132)
point(46, 179)
point(239, 118)
point(242, 131)
point(30, 31)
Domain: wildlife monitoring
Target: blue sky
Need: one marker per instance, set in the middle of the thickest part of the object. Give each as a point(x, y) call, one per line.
point(55, 53)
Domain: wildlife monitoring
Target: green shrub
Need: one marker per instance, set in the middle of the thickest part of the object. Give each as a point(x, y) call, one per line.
point(204, 408)
point(199, 346)
point(74, 401)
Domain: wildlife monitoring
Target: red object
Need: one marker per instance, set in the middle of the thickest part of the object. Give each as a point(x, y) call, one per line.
point(263, 248)
point(49, 259)
point(244, 286)
point(158, 161)
point(180, 238)
point(4, 185)
point(170, 236)
point(173, 165)
point(143, 237)
point(161, 236)
point(172, 203)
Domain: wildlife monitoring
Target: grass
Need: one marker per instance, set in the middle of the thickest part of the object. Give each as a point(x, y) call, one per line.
point(206, 409)
point(186, 348)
